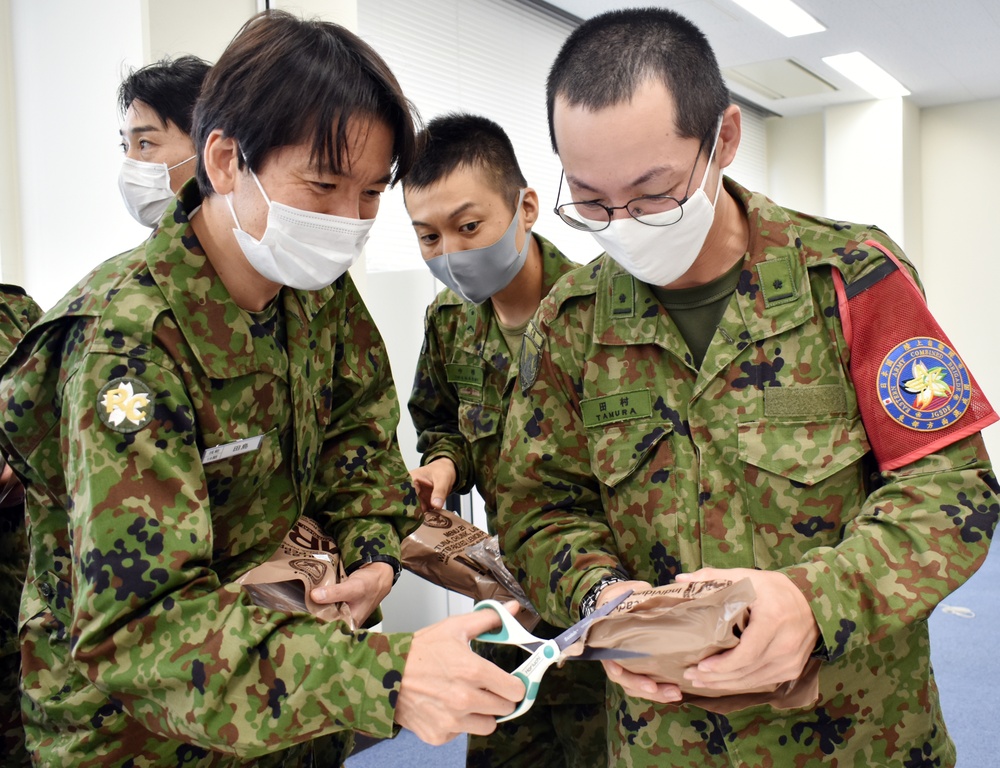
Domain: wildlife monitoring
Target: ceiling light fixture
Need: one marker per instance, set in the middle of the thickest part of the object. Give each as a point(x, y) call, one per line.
point(866, 74)
point(783, 15)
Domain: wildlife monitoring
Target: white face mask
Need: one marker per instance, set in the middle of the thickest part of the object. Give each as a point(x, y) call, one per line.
point(145, 188)
point(478, 273)
point(302, 249)
point(661, 255)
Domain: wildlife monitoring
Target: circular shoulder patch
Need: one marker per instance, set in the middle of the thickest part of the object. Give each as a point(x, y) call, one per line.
point(924, 385)
point(125, 404)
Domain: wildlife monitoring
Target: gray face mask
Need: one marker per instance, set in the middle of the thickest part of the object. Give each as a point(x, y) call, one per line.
point(477, 274)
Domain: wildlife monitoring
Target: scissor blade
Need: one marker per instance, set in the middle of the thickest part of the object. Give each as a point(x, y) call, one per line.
point(606, 653)
point(574, 633)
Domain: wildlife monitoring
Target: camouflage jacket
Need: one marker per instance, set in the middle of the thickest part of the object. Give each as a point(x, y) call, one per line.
point(465, 376)
point(171, 439)
point(18, 312)
point(461, 393)
point(622, 456)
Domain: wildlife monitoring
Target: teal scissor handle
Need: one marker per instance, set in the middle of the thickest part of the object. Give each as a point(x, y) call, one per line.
point(510, 632)
point(531, 673)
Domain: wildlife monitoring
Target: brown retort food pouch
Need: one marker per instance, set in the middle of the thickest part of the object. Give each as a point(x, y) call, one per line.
point(437, 552)
point(306, 558)
point(678, 625)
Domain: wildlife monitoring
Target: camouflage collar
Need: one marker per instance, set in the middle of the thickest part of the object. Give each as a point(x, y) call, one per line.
point(484, 329)
point(628, 312)
point(218, 331)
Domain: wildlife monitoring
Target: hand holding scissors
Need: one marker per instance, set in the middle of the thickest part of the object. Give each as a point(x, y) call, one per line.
point(545, 653)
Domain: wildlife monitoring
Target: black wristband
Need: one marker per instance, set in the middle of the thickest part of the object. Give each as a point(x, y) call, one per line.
point(396, 568)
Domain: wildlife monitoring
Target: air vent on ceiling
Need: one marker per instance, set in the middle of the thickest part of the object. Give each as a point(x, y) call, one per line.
point(778, 79)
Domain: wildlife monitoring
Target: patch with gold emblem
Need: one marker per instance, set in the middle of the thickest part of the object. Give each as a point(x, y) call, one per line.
point(125, 405)
point(924, 385)
point(531, 354)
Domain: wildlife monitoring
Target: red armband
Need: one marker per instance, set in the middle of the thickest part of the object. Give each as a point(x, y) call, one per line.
point(915, 394)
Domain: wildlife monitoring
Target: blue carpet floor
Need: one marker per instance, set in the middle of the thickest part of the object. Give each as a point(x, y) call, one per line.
point(967, 664)
point(965, 633)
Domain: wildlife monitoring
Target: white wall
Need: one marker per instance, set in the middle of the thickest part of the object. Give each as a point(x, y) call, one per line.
point(66, 134)
point(864, 164)
point(932, 190)
point(168, 29)
point(796, 161)
point(961, 272)
point(10, 198)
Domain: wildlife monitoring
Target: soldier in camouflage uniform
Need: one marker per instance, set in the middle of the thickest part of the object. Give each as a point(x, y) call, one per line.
point(157, 106)
point(687, 410)
point(464, 380)
point(18, 312)
point(179, 409)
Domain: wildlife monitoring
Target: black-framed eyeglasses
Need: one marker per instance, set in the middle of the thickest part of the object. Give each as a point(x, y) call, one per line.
point(651, 210)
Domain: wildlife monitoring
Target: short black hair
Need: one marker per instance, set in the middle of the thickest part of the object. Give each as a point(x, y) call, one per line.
point(169, 87)
point(458, 140)
point(605, 60)
point(284, 80)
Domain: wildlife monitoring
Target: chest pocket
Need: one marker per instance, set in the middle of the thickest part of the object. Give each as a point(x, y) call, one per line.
point(477, 421)
point(804, 480)
point(619, 452)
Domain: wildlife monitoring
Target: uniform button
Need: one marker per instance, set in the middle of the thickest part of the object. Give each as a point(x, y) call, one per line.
point(46, 590)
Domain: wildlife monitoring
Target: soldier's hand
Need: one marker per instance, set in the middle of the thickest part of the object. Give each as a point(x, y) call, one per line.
point(777, 641)
point(434, 482)
point(447, 689)
point(11, 490)
point(363, 590)
point(639, 686)
point(612, 591)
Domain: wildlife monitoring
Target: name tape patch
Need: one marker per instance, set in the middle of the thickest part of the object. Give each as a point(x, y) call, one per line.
point(468, 375)
point(225, 451)
point(621, 406)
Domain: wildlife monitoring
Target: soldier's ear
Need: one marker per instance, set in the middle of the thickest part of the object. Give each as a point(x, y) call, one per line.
point(221, 161)
point(529, 206)
point(730, 133)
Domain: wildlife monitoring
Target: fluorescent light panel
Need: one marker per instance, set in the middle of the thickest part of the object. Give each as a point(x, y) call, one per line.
point(783, 15)
point(866, 74)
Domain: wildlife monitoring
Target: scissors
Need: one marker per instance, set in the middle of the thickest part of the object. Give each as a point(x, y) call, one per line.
point(545, 653)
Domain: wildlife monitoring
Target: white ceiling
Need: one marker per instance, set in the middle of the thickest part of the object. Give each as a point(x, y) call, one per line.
point(942, 51)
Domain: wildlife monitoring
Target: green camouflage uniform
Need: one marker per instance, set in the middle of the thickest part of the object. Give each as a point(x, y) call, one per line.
point(18, 312)
point(138, 648)
point(622, 455)
point(465, 377)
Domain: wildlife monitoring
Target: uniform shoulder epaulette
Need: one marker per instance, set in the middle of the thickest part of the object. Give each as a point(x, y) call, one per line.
point(446, 299)
point(577, 283)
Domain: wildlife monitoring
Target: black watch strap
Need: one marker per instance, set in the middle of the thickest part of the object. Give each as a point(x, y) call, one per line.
point(589, 603)
point(396, 568)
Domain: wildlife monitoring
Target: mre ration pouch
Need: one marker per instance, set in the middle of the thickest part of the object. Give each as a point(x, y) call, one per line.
point(437, 552)
point(678, 625)
point(306, 558)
